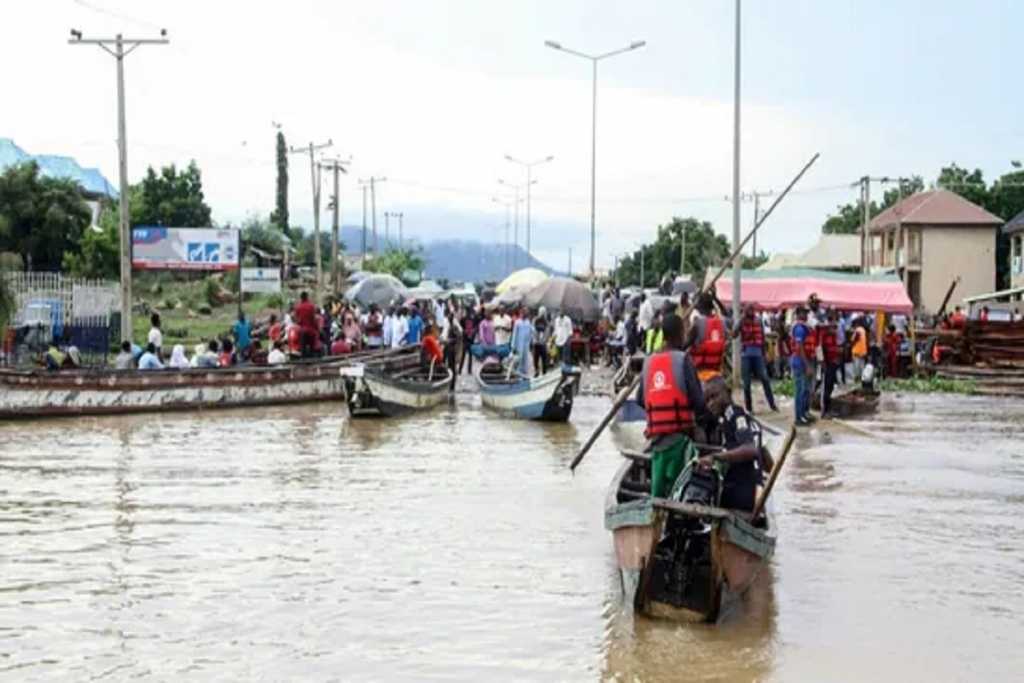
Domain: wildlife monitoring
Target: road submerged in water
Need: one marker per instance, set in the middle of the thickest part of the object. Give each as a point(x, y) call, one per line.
point(292, 543)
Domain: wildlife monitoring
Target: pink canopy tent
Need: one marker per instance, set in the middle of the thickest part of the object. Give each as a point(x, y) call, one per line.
point(789, 287)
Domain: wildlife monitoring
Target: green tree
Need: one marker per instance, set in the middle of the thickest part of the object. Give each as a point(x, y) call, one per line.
point(98, 252)
point(849, 217)
point(40, 217)
point(704, 248)
point(279, 217)
point(397, 262)
point(172, 198)
point(257, 232)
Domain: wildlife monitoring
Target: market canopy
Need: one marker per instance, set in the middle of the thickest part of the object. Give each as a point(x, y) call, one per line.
point(522, 279)
point(789, 287)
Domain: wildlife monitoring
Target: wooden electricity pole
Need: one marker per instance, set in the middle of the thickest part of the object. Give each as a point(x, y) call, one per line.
point(315, 177)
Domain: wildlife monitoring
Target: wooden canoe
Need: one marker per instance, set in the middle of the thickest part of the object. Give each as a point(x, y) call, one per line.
point(723, 556)
point(394, 387)
point(547, 398)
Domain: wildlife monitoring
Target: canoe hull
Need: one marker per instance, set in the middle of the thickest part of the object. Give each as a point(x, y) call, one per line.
point(110, 392)
point(739, 552)
point(378, 396)
point(548, 398)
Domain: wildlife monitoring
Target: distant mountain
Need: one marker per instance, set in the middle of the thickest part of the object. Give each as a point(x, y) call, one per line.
point(454, 259)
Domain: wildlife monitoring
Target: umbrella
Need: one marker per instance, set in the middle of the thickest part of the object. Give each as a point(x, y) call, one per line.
point(527, 277)
point(560, 294)
point(377, 289)
point(357, 276)
point(511, 297)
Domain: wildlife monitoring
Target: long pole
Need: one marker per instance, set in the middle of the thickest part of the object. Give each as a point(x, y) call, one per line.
point(625, 393)
point(593, 172)
point(736, 202)
point(119, 53)
point(314, 175)
point(335, 229)
point(642, 273)
point(515, 249)
point(387, 228)
point(373, 214)
point(123, 199)
point(757, 211)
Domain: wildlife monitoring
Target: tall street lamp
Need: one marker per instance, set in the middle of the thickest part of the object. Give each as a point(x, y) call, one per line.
point(594, 59)
point(528, 165)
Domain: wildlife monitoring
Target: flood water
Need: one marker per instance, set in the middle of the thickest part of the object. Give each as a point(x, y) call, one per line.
point(293, 544)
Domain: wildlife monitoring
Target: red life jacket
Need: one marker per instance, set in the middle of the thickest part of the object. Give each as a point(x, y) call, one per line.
point(751, 332)
point(667, 405)
point(811, 343)
point(707, 354)
point(829, 344)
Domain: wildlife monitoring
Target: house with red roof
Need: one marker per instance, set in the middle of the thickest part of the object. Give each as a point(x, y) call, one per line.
point(929, 239)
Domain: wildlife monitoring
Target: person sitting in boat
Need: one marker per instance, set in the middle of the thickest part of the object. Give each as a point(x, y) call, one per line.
point(743, 462)
point(207, 356)
point(126, 359)
point(277, 355)
point(707, 339)
point(227, 354)
point(178, 359)
point(150, 360)
point(672, 397)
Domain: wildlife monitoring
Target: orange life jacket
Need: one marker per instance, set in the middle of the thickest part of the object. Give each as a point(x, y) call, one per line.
point(708, 352)
point(667, 405)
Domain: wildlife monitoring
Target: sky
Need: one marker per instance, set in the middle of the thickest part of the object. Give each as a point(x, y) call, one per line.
point(433, 94)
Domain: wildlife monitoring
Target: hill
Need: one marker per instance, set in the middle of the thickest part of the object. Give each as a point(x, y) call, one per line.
point(454, 259)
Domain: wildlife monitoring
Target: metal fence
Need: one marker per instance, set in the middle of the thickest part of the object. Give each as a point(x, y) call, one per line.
point(53, 308)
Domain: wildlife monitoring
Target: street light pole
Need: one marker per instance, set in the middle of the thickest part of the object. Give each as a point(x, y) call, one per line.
point(119, 53)
point(736, 205)
point(516, 189)
point(528, 165)
point(593, 131)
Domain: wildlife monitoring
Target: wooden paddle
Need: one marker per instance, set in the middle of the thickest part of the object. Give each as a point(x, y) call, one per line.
point(779, 462)
point(623, 395)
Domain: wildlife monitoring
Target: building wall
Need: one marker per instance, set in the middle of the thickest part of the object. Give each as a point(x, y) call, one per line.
point(947, 252)
point(1017, 259)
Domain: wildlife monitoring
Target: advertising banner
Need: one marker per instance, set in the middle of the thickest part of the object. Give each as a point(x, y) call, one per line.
point(160, 248)
point(261, 280)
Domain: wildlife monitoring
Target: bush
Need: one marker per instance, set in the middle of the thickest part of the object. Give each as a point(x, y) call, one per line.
point(211, 292)
point(275, 301)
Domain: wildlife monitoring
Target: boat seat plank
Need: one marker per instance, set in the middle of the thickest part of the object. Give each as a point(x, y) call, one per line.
point(690, 509)
point(645, 457)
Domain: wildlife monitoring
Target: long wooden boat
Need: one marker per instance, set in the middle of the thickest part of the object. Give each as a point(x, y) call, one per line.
point(102, 391)
point(681, 561)
point(394, 387)
point(548, 398)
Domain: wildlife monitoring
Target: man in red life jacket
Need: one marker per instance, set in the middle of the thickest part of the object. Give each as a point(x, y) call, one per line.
point(958, 320)
point(707, 340)
point(751, 332)
point(832, 354)
point(305, 317)
point(671, 395)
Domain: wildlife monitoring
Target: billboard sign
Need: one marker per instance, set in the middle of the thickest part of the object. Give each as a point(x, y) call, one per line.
point(160, 248)
point(261, 280)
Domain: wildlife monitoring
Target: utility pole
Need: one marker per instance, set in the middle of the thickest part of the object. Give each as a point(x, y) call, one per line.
point(508, 208)
point(336, 165)
point(400, 215)
point(116, 47)
point(642, 273)
point(363, 263)
point(387, 228)
point(372, 182)
point(570, 262)
point(528, 165)
point(314, 172)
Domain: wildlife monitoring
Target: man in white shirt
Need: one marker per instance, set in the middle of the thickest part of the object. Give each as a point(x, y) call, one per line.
point(502, 328)
point(156, 337)
point(646, 317)
point(563, 333)
point(439, 311)
point(277, 355)
point(399, 330)
point(389, 327)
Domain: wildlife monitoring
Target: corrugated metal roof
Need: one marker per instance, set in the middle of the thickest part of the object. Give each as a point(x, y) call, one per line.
point(1015, 225)
point(55, 166)
point(831, 252)
point(935, 207)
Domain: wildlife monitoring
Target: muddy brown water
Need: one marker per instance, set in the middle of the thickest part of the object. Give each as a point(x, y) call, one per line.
point(293, 544)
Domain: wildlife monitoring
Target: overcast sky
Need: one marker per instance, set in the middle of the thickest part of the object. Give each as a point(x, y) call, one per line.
point(433, 94)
